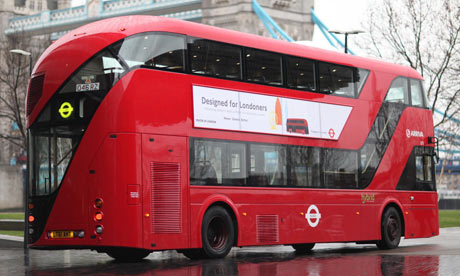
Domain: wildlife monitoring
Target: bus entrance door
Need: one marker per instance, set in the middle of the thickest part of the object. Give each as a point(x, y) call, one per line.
point(164, 163)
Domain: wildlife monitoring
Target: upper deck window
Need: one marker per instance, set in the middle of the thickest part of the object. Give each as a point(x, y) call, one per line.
point(407, 91)
point(398, 92)
point(263, 67)
point(301, 73)
point(215, 59)
point(416, 93)
point(337, 79)
point(98, 74)
point(153, 50)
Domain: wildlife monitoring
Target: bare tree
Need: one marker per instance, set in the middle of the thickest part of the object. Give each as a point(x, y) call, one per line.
point(14, 78)
point(425, 35)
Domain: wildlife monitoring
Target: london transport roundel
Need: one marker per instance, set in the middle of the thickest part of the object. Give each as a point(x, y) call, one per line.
point(313, 216)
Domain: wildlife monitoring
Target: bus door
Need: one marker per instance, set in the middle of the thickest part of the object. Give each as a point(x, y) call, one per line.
point(165, 192)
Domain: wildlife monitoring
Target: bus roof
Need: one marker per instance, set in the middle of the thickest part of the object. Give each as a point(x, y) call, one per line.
point(120, 27)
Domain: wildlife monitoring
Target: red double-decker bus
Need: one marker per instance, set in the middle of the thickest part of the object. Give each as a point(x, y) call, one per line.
point(151, 134)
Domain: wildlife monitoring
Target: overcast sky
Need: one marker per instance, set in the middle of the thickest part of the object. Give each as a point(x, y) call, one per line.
point(339, 14)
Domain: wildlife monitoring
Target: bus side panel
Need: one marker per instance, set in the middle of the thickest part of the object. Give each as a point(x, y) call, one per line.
point(115, 177)
point(165, 197)
point(288, 216)
point(422, 218)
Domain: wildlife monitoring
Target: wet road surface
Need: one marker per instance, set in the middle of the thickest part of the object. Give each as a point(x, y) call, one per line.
point(435, 256)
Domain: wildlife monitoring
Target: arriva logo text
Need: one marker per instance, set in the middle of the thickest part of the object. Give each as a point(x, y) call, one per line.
point(414, 133)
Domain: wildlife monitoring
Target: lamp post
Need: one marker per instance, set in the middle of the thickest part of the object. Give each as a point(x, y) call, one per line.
point(26, 186)
point(24, 53)
point(346, 33)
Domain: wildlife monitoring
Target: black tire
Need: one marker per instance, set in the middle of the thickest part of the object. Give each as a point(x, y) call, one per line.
point(303, 248)
point(391, 229)
point(217, 233)
point(127, 254)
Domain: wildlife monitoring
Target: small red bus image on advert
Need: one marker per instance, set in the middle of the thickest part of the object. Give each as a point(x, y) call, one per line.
point(150, 134)
point(297, 125)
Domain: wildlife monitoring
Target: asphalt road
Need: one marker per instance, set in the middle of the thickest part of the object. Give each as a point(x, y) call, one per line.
point(434, 256)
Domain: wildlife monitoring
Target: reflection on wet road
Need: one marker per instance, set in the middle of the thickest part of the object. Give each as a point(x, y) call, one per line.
point(437, 256)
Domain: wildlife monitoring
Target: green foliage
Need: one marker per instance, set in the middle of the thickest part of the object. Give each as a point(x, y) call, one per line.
point(12, 216)
point(12, 233)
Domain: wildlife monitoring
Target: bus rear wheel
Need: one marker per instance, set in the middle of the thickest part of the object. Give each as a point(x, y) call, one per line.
point(127, 254)
point(391, 228)
point(217, 233)
point(303, 248)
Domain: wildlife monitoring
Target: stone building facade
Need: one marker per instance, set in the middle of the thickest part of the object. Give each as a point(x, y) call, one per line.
point(293, 16)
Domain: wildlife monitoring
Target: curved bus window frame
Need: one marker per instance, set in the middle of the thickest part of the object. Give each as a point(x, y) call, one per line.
point(117, 47)
point(408, 83)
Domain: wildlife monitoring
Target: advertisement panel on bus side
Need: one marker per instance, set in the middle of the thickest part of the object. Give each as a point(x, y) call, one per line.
point(233, 110)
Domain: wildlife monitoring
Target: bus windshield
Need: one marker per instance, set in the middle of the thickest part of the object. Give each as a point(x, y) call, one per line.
point(53, 149)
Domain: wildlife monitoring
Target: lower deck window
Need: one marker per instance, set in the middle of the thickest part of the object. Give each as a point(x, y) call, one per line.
point(214, 162)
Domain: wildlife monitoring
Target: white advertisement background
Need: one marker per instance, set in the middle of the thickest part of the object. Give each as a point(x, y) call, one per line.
point(219, 117)
point(259, 121)
point(304, 110)
point(320, 117)
point(333, 117)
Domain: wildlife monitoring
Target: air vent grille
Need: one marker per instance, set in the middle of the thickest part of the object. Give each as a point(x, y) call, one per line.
point(267, 228)
point(35, 92)
point(166, 198)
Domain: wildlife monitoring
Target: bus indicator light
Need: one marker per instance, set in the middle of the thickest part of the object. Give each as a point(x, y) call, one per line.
point(98, 216)
point(98, 203)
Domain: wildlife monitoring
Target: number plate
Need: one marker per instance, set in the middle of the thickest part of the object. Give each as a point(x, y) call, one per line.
point(62, 234)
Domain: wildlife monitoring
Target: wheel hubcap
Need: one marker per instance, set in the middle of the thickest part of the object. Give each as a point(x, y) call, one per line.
point(217, 233)
point(392, 228)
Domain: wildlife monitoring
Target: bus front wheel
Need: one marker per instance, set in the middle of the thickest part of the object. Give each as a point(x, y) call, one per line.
point(217, 233)
point(391, 229)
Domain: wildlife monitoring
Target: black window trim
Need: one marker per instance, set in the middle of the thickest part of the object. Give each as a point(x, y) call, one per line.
point(283, 70)
point(188, 58)
point(281, 63)
point(287, 147)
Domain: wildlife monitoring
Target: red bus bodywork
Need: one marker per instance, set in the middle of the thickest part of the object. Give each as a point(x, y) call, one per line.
point(146, 120)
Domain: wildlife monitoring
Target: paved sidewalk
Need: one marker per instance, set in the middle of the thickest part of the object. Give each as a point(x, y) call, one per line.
point(7, 241)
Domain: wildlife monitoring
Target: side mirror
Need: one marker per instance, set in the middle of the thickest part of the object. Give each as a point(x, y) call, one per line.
point(435, 141)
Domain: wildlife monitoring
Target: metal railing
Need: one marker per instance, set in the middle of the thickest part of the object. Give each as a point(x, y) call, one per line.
point(61, 20)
